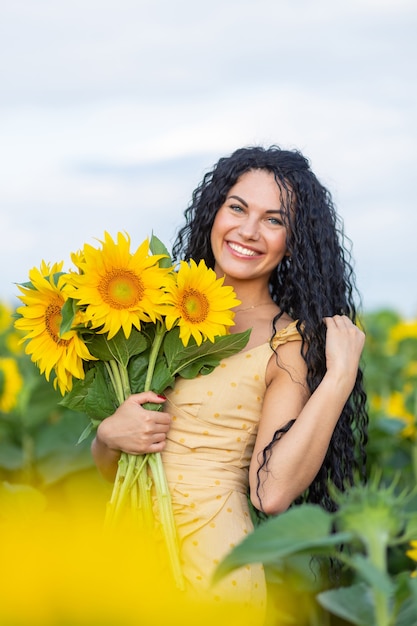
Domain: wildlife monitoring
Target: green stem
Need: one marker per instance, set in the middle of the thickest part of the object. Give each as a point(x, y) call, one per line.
point(28, 449)
point(144, 483)
point(132, 478)
point(115, 375)
point(134, 504)
point(124, 377)
point(122, 381)
point(377, 551)
point(159, 478)
point(156, 345)
point(126, 465)
point(167, 516)
point(112, 379)
point(121, 489)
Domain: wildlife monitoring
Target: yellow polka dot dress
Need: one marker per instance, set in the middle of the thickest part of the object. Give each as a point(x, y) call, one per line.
point(206, 459)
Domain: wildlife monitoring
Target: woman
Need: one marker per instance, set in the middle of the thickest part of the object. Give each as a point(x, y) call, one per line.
point(286, 414)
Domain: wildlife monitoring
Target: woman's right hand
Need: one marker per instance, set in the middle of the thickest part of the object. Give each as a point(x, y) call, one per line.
point(134, 429)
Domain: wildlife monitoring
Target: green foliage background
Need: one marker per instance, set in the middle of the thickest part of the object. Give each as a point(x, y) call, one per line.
point(38, 447)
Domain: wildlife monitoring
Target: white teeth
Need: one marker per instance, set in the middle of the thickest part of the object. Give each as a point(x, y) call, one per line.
point(241, 250)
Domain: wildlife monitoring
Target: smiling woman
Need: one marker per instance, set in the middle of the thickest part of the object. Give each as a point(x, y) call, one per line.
point(287, 414)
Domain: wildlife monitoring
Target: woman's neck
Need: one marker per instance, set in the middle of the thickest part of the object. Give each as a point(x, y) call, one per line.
point(251, 297)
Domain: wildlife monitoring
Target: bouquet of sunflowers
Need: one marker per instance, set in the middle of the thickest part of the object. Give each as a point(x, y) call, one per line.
point(123, 322)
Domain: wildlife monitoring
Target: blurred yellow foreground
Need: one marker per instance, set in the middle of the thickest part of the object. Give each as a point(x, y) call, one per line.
point(59, 569)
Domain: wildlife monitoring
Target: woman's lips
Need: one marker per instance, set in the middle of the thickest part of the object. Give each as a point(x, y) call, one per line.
point(242, 250)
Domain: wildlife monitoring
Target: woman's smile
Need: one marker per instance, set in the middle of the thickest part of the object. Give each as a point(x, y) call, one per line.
point(248, 252)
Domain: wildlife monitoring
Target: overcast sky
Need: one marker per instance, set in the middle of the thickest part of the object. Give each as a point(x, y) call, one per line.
point(112, 110)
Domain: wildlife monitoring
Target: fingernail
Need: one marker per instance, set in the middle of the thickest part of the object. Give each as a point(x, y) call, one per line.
point(161, 396)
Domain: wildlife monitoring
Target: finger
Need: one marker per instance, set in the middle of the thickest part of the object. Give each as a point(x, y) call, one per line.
point(157, 437)
point(161, 427)
point(338, 321)
point(159, 419)
point(329, 321)
point(150, 428)
point(157, 446)
point(146, 396)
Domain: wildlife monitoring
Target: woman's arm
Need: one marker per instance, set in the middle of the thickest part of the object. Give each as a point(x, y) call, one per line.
point(130, 429)
point(297, 457)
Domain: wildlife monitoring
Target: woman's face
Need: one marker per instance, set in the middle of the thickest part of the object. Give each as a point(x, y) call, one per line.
point(248, 237)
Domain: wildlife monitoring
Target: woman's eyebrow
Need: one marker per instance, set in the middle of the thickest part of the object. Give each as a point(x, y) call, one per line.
point(240, 200)
point(274, 211)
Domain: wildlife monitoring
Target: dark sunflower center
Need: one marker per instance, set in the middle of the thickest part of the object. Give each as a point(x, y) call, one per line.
point(53, 319)
point(121, 289)
point(194, 306)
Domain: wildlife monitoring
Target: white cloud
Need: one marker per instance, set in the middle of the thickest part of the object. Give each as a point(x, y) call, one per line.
point(109, 121)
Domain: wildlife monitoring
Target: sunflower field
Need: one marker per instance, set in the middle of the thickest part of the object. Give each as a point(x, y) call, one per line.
point(57, 570)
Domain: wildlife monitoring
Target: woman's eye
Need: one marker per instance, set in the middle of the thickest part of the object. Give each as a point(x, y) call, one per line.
point(236, 207)
point(275, 221)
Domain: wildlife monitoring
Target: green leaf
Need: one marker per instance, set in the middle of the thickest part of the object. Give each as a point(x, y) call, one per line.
point(56, 451)
point(68, 313)
point(100, 401)
point(27, 285)
point(406, 600)
point(56, 276)
point(54, 439)
point(407, 613)
point(55, 467)
point(410, 531)
point(412, 582)
point(118, 348)
point(162, 377)
point(41, 402)
point(371, 574)
point(304, 528)
point(354, 604)
point(75, 399)
point(209, 353)
point(197, 367)
point(91, 426)
point(137, 368)
point(11, 456)
point(309, 575)
point(157, 247)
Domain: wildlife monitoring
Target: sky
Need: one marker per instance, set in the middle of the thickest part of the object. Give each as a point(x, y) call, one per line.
point(111, 111)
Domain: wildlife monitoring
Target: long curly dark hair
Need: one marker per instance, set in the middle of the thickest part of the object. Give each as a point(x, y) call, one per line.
point(316, 280)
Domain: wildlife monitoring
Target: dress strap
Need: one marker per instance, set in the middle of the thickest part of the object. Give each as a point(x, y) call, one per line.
point(289, 333)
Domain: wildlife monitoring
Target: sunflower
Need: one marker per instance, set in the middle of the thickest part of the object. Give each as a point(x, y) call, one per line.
point(10, 337)
point(41, 318)
point(412, 554)
point(199, 303)
point(5, 317)
point(117, 288)
point(77, 258)
point(11, 382)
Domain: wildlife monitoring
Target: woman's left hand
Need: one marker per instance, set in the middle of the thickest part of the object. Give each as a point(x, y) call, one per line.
point(344, 345)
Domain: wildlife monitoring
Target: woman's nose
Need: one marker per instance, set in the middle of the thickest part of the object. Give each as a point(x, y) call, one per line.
point(249, 229)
